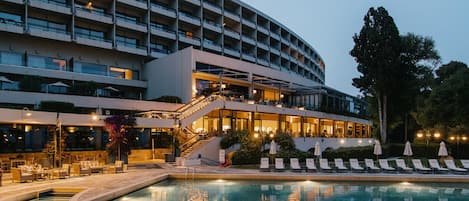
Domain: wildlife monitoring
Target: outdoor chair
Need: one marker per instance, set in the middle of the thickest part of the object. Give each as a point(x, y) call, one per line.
point(311, 165)
point(452, 166)
point(62, 172)
point(96, 167)
point(435, 166)
point(79, 170)
point(17, 174)
point(279, 166)
point(324, 165)
point(418, 166)
point(465, 164)
point(264, 166)
point(370, 165)
point(339, 165)
point(355, 166)
point(118, 167)
point(402, 166)
point(383, 163)
point(295, 165)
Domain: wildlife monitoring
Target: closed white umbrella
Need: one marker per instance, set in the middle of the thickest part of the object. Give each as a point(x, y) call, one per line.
point(442, 151)
point(407, 149)
point(273, 148)
point(377, 149)
point(317, 149)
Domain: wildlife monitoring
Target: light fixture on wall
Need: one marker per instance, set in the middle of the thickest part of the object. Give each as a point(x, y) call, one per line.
point(89, 5)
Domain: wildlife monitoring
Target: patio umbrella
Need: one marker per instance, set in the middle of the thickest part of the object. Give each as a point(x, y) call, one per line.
point(442, 151)
point(59, 84)
point(407, 149)
point(111, 88)
point(317, 149)
point(377, 150)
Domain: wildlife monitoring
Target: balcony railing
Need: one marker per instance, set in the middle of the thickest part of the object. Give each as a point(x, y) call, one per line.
point(132, 45)
point(162, 28)
point(93, 11)
point(81, 35)
point(49, 29)
point(158, 5)
point(182, 13)
point(125, 19)
point(212, 23)
point(58, 3)
point(185, 35)
point(10, 22)
point(160, 50)
point(212, 4)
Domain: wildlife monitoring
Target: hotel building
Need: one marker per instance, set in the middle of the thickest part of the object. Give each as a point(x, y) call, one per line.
point(233, 67)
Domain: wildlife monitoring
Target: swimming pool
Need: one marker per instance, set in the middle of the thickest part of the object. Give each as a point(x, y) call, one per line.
point(249, 190)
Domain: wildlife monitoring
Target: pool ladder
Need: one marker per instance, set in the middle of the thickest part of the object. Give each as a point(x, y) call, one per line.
point(188, 171)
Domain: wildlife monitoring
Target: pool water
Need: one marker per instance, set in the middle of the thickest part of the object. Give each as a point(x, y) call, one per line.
point(237, 190)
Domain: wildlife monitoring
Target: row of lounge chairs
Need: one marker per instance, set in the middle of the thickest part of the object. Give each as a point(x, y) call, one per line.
point(370, 166)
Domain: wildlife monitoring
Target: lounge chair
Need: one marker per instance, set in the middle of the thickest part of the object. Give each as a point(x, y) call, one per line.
point(79, 170)
point(118, 167)
point(465, 164)
point(434, 165)
point(279, 166)
point(324, 165)
point(295, 165)
point(264, 166)
point(355, 166)
point(339, 165)
point(370, 165)
point(452, 166)
point(17, 174)
point(402, 166)
point(383, 163)
point(62, 172)
point(419, 167)
point(310, 165)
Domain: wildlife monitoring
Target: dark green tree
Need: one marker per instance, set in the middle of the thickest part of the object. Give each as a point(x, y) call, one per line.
point(377, 50)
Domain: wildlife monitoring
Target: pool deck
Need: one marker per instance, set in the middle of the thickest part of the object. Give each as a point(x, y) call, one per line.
point(110, 186)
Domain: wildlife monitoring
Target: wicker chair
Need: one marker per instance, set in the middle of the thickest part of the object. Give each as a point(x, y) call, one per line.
point(19, 175)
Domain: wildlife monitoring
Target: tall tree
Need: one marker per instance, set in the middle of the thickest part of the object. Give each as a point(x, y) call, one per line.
point(377, 50)
point(119, 136)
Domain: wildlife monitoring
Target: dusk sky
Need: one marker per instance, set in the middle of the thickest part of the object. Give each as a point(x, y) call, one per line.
point(329, 25)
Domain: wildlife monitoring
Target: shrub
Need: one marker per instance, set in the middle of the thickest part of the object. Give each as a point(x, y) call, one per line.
point(57, 106)
point(243, 157)
point(169, 99)
point(285, 141)
point(349, 152)
point(228, 140)
point(287, 154)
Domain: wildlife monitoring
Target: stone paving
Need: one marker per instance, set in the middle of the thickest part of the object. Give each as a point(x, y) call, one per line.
point(109, 186)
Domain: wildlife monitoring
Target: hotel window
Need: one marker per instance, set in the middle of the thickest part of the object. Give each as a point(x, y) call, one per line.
point(89, 68)
point(121, 73)
point(11, 58)
point(89, 33)
point(47, 63)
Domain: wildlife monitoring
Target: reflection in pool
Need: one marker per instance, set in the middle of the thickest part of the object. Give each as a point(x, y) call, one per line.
point(243, 190)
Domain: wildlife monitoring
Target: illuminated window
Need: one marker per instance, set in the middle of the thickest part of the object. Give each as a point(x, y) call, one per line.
point(121, 73)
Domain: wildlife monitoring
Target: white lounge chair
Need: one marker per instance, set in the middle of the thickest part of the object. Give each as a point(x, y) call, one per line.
point(355, 165)
point(264, 166)
point(370, 165)
point(339, 165)
point(465, 164)
point(279, 166)
point(324, 165)
point(383, 163)
point(310, 165)
point(295, 165)
point(402, 166)
point(434, 165)
point(452, 166)
point(419, 166)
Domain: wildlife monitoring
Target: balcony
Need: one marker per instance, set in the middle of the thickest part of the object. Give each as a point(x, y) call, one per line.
point(93, 14)
point(263, 30)
point(232, 15)
point(135, 3)
point(15, 1)
point(194, 2)
point(212, 7)
point(249, 23)
point(11, 26)
point(164, 10)
point(249, 40)
point(212, 26)
point(48, 32)
point(263, 45)
point(275, 66)
point(231, 51)
point(130, 24)
point(93, 41)
point(275, 35)
point(183, 37)
point(186, 17)
point(262, 62)
point(51, 5)
point(249, 57)
point(131, 48)
point(159, 30)
point(212, 45)
point(159, 52)
point(231, 33)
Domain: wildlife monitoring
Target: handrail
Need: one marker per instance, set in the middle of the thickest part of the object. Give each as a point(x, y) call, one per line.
point(189, 143)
